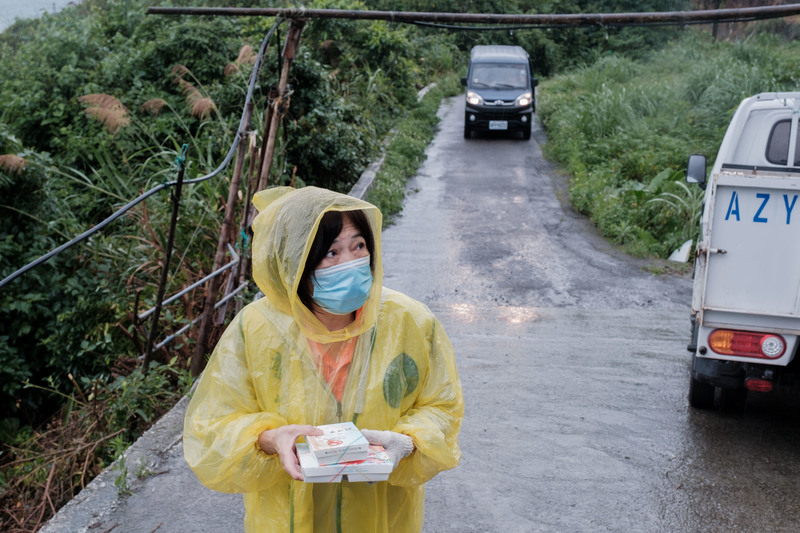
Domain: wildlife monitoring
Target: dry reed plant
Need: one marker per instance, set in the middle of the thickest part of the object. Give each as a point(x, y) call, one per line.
point(231, 69)
point(246, 57)
point(201, 106)
point(107, 109)
point(12, 163)
point(154, 106)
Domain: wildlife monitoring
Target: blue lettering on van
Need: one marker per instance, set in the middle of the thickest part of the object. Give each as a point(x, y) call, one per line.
point(733, 207)
point(765, 198)
point(789, 207)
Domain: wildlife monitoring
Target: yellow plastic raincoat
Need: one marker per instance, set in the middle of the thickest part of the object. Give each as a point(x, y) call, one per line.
point(402, 378)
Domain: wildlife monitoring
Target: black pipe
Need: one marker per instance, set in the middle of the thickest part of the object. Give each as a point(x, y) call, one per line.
point(176, 201)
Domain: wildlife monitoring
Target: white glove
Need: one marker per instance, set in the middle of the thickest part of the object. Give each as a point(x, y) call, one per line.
point(397, 445)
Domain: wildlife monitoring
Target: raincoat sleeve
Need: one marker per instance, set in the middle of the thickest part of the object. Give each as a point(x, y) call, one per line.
point(434, 421)
point(223, 422)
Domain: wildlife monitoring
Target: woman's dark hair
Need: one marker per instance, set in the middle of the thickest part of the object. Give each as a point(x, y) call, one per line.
point(329, 228)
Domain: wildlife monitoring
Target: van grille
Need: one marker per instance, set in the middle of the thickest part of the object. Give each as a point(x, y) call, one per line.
point(499, 114)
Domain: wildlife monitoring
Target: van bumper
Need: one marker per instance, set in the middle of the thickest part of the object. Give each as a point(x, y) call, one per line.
point(725, 374)
point(479, 119)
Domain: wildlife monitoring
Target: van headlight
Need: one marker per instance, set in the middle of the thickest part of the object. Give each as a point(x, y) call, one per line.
point(523, 100)
point(474, 98)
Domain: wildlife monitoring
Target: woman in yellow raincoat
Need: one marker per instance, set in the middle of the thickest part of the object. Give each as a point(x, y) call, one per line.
point(309, 353)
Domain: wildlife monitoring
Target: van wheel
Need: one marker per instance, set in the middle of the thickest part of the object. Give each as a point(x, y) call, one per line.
point(526, 131)
point(701, 394)
point(467, 132)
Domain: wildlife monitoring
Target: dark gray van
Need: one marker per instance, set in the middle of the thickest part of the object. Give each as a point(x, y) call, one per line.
point(500, 90)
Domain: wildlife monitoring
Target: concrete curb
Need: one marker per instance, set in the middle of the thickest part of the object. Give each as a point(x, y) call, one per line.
point(365, 182)
point(142, 459)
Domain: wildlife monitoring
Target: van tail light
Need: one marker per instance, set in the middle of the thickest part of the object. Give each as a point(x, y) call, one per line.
point(758, 385)
point(746, 344)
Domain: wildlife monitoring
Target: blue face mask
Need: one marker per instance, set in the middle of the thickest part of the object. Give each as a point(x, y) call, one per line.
point(343, 288)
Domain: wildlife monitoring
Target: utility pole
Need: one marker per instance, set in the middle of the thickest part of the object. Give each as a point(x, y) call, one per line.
point(277, 109)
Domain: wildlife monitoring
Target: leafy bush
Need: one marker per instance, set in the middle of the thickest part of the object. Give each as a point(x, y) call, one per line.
point(625, 129)
point(351, 82)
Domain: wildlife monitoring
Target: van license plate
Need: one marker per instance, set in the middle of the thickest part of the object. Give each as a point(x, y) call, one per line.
point(498, 124)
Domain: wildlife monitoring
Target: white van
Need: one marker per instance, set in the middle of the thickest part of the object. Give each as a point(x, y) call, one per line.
point(746, 299)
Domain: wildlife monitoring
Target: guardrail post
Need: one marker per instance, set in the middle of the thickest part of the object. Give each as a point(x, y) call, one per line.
point(176, 200)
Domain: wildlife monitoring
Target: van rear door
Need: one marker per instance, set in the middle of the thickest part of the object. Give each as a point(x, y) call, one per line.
point(753, 254)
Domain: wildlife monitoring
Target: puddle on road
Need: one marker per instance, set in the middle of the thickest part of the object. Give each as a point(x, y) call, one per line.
point(470, 313)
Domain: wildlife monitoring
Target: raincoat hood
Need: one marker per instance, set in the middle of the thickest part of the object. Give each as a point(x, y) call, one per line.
point(283, 233)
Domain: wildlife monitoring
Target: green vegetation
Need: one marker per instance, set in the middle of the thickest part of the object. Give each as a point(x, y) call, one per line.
point(96, 104)
point(624, 129)
point(96, 424)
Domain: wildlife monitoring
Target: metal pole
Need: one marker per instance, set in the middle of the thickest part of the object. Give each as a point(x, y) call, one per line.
point(278, 107)
point(281, 103)
point(224, 237)
point(575, 19)
point(244, 230)
point(176, 199)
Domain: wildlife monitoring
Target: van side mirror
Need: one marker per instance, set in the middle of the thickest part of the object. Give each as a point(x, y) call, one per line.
point(534, 82)
point(696, 170)
point(464, 81)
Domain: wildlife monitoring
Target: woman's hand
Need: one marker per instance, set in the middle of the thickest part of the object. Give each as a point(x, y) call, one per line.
point(281, 441)
point(396, 445)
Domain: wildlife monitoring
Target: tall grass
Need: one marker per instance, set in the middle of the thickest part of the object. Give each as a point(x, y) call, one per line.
point(621, 126)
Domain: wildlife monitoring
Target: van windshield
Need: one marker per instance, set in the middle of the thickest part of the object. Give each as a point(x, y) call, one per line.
point(494, 76)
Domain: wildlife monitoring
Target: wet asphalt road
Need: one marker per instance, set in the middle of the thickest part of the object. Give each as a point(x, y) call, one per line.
point(574, 364)
point(574, 367)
